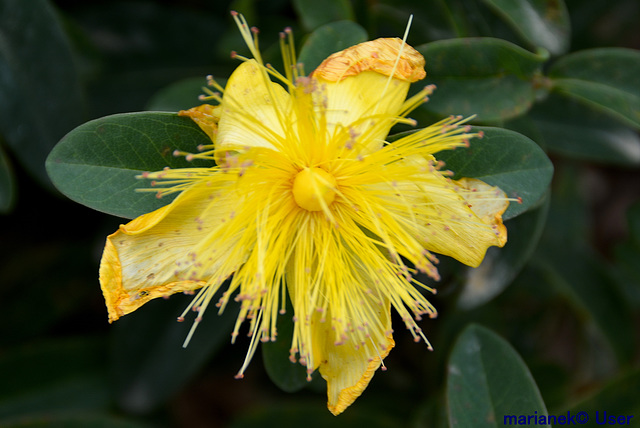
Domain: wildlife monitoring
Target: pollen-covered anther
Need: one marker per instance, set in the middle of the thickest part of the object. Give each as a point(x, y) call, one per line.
point(314, 188)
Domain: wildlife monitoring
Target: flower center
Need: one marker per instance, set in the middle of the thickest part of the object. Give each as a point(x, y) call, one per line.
point(313, 188)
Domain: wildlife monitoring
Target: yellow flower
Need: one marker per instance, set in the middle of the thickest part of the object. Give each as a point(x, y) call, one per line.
point(307, 200)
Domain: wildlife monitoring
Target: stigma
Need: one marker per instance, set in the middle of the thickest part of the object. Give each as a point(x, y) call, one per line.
point(314, 189)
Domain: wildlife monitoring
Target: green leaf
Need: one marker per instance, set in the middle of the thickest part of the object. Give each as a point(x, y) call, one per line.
point(53, 377)
point(487, 382)
point(96, 164)
point(39, 86)
point(314, 13)
point(505, 159)
point(542, 23)
point(501, 265)
point(605, 79)
point(490, 78)
point(149, 364)
point(328, 39)
point(289, 376)
point(7, 184)
point(569, 128)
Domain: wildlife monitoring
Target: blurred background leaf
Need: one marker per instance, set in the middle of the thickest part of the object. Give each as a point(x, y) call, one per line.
point(66, 377)
point(579, 274)
point(7, 184)
point(313, 14)
point(181, 95)
point(39, 102)
point(311, 416)
point(566, 127)
point(615, 398)
point(488, 77)
point(605, 79)
point(328, 39)
point(542, 23)
point(148, 361)
point(130, 50)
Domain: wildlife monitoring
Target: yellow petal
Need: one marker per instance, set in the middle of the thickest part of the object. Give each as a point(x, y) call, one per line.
point(365, 104)
point(463, 218)
point(487, 202)
point(253, 108)
point(466, 221)
point(347, 369)
point(206, 116)
point(150, 256)
point(364, 87)
point(389, 57)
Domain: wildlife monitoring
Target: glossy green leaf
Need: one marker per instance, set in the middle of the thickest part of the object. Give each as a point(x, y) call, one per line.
point(289, 376)
point(39, 86)
point(7, 184)
point(96, 164)
point(542, 23)
point(569, 128)
point(505, 159)
point(490, 78)
point(53, 377)
point(606, 79)
point(487, 382)
point(328, 39)
point(148, 361)
point(501, 265)
point(314, 13)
